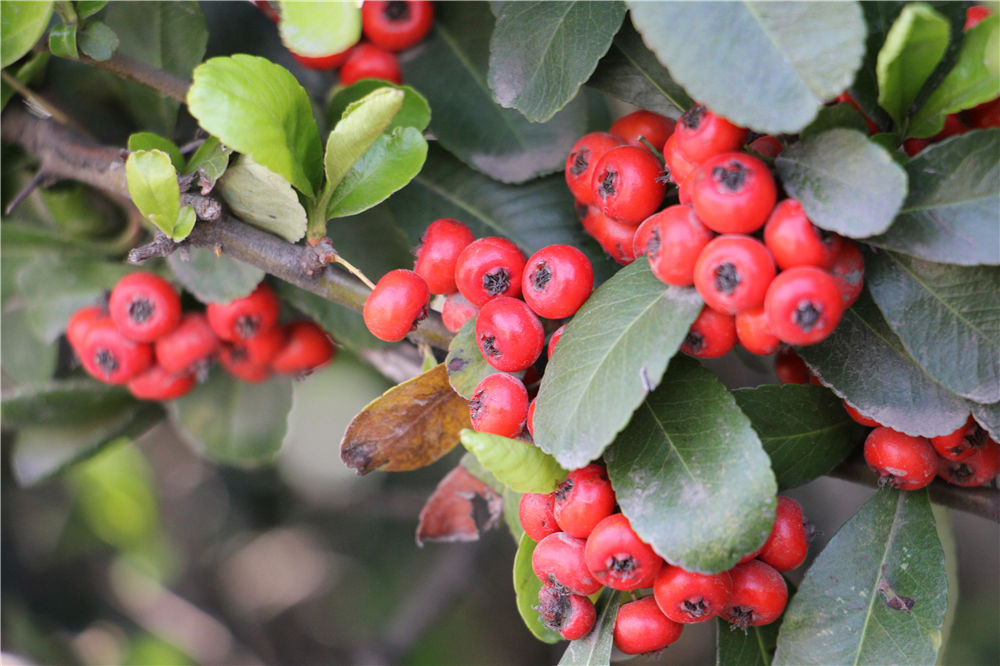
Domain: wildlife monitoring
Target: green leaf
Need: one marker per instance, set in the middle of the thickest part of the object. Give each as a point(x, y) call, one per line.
point(837, 115)
point(914, 46)
point(362, 122)
point(345, 325)
point(316, 29)
point(540, 52)
point(387, 166)
point(234, 422)
point(62, 41)
point(414, 112)
point(865, 362)
point(690, 474)
point(152, 184)
point(526, 588)
point(87, 8)
point(153, 141)
point(98, 41)
point(32, 67)
point(804, 429)
point(24, 355)
point(611, 354)
point(632, 73)
point(753, 647)
point(947, 317)
point(952, 213)
point(876, 594)
point(58, 402)
point(780, 61)
point(22, 23)
point(258, 108)
point(845, 182)
point(518, 465)
point(465, 363)
point(450, 68)
point(214, 279)
point(974, 79)
point(210, 161)
point(594, 649)
point(263, 198)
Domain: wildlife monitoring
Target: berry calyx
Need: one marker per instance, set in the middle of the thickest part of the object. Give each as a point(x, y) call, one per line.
point(712, 334)
point(733, 273)
point(509, 335)
point(582, 160)
point(701, 134)
point(803, 305)
point(110, 356)
point(733, 193)
point(499, 405)
point(487, 268)
point(556, 281)
point(759, 595)
point(617, 557)
point(397, 24)
point(961, 443)
point(627, 185)
point(689, 597)
point(572, 615)
point(144, 306)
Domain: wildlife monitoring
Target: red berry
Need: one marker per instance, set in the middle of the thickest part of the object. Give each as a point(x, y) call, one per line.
point(456, 311)
point(641, 627)
point(398, 24)
point(308, 348)
point(397, 304)
point(753, 330)
point(243, 318)
point(367, 61)
point(642, 124)
point(803, 305)
point(535, 514)
point(110, 356)
point(487, 268)
point(618, 558)
point(189, 348)
point(977, 470)
point(531, 417)
point(159, 384)
point(848, 271)
point(953, 126)
point(438, 253)
point(79, 325)
point(572, 615)
point(688, 597)
point(712, 334)
point(795, 241)
point(962, 443)
point(859, 417)
point(767, 145)
point(901, 460)
point(975, 14)
point(700, 134)
point(581, 161)
point(790, 367)
point(144, 306)
point(261, 348)
point(676, 239)
point(510, 336)
point(322, 63)
point(913, 145)
point(499, 405)
point(679, 166)
point(235, 360)
point(985, 115)
point(787, 546)
point(558, 558)
point(556, 281)
point(627, 184)
point(583, 499)
point(268, 10)
point(733, 273)
point(733, 193)
point(759, 595)
point(615, 238)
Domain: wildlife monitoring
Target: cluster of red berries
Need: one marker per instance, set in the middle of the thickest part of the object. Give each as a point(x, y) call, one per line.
point(142, 338)
point(584, 544)
point(491, 279)
point(791, 284)
point(388, 26)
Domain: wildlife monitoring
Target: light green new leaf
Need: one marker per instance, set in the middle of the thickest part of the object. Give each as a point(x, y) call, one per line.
point(263, 198)
point(22, 23)
point(518, 465)
point(387, 166)
point(152, 184)
point(316, 29)
point(98, 41)
point(914, 46)
point(362, 123)
point(415, 111)
point(210, 161)
point(62, 41)
point(152, 141)
point(259, 109)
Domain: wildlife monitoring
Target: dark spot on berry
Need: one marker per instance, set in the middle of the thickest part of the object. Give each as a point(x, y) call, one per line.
point(106, 360)
point(419, 318)
point(457, 364)
point(497, 281)
point(727, 278)
point(247, 325)
point(541, 276)
point(489, 346)
point(695, 608)
point(692, 117)
point(621, 565)
point(740, 617)
point(825, 237)
point(807, 315)
point(731, 176)
point(653, 244)
point(580, 162)
point(961, 472)
point(476, 406)
point(140, 309)
point(977, 437)
point(694, 342)
point(564, 489)
point(608, 184)
point(553, 604)
point(665, 176)
point(396, 10)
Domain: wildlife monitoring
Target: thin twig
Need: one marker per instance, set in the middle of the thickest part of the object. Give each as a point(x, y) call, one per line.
point(126, 68)
point(36, 180)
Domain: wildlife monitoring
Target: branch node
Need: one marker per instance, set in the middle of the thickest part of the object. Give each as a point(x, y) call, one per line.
point(316, 257)
point(205, 208)
point(160, 246)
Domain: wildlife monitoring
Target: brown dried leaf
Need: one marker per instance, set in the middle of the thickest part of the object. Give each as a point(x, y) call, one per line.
point(410, 426)
point(448, 513)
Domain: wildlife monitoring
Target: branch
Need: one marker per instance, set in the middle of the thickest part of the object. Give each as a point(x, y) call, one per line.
point(126, 68)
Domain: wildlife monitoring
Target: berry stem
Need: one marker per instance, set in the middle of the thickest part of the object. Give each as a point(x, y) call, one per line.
point(353, 270)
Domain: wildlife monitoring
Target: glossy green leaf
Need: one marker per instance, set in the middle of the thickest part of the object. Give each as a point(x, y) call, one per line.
point(631, 72)
point(414, 112)
point(540, 52)
point(387, 166)
point(234, 422)
point(837, 115)
point(511, 504)
point(594, 649)
point(258, 108)
point(87, 8)
point(518, 465)
point(952, 213)
point(876, 594)
point(914, 46)
point(362, 122)
point(780, 63)
point(153, 141)
point(57, 402)
point(152, 184)
point(526, 588)
point(345, 325)
point(22, 23)
point(614, 350)
point(214, 279)
point(845, 182)
point(62, 41)
point(974, 79)
point(879, 17)
point(210, 161)
point(465, 363)
point(988, 416)
point(98, 41)
point(690, 474)
point(947, 317)
point(865, 362)
point(316, 29)
point(25, 356)
point(263, 198)
point(804, 429)
point(450, 69)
